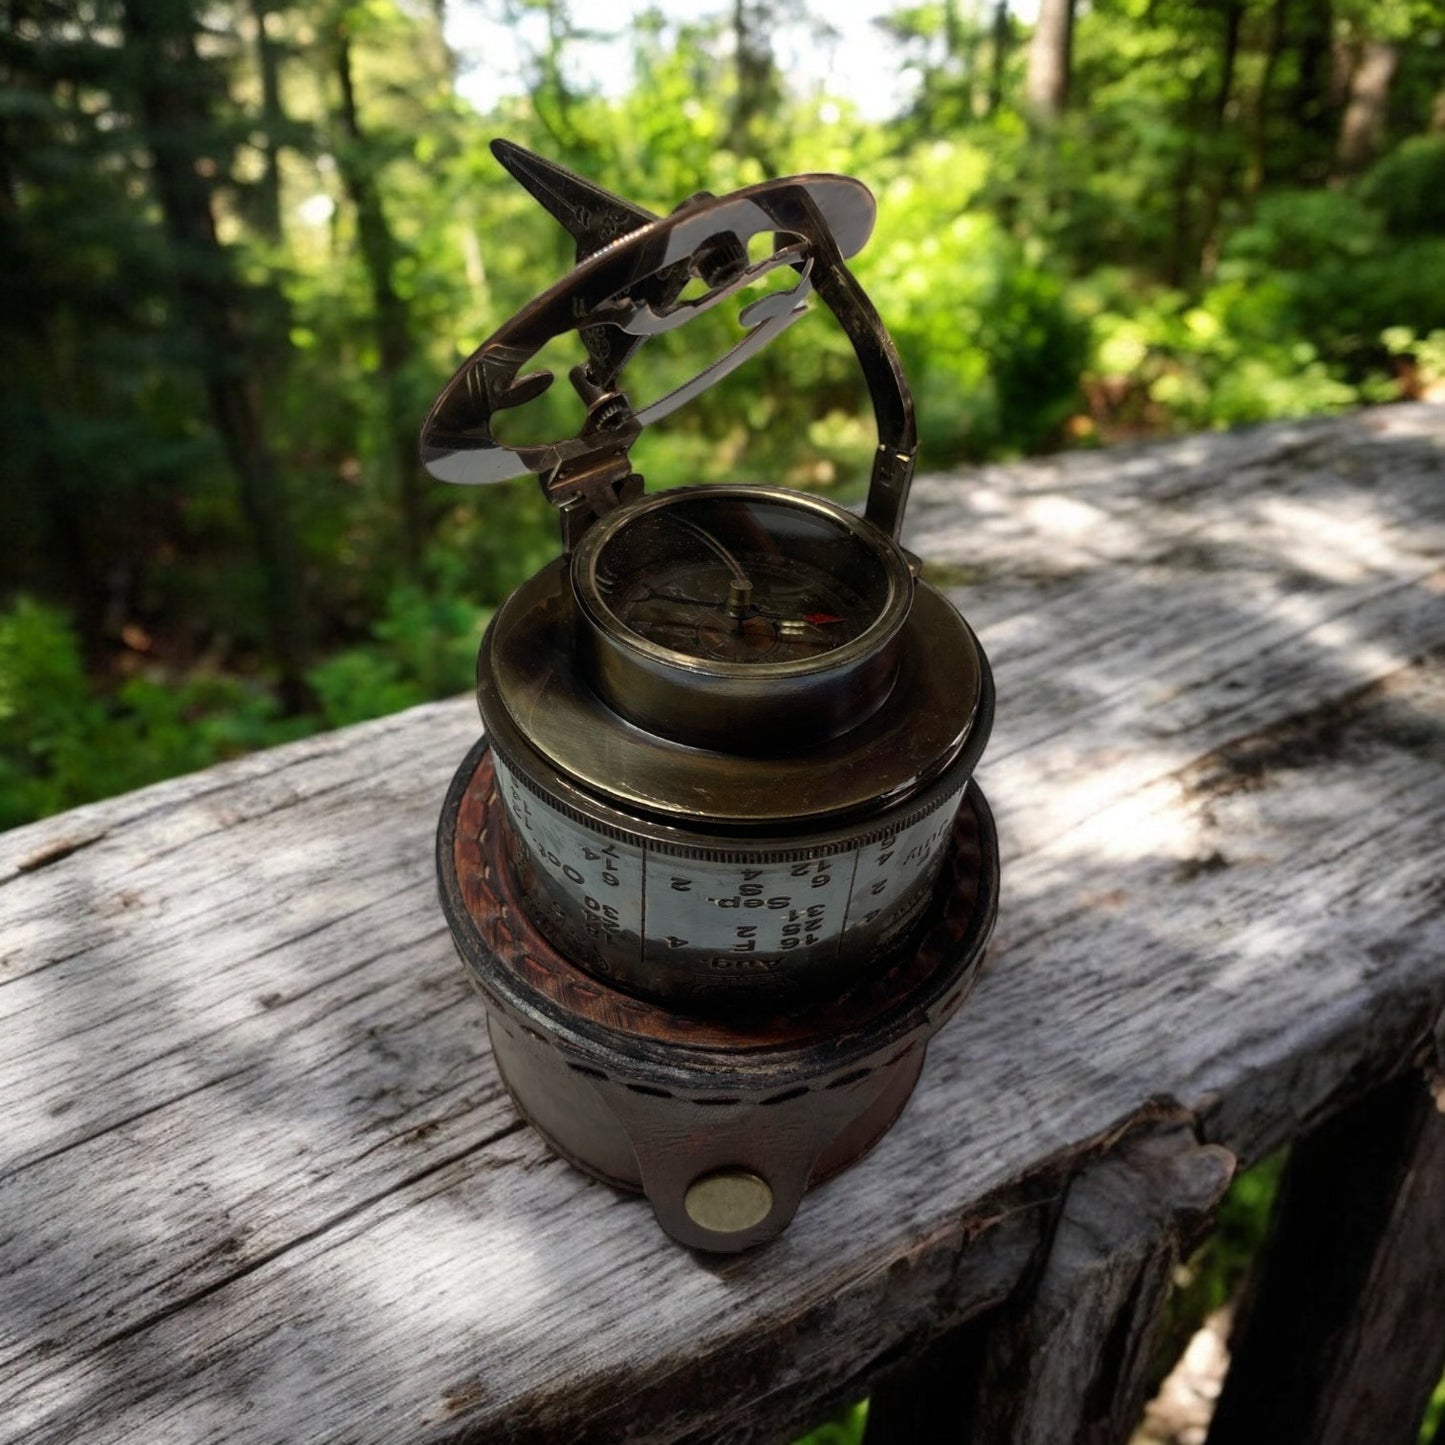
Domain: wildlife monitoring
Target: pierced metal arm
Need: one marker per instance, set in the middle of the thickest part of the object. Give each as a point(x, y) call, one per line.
point(632, 271)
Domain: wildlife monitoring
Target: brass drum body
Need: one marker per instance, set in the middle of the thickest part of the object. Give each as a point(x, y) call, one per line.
point(715, 880)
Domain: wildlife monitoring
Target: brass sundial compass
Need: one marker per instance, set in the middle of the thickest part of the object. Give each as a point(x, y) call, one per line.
point(717, 868)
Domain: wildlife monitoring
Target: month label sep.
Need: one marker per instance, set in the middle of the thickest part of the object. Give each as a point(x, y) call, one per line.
point(747, 917)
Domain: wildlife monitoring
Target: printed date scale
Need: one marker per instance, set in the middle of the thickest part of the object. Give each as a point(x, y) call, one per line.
point(623, 904)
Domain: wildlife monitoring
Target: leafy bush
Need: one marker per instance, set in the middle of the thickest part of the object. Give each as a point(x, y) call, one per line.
point(1407, 187)
point(1302, 316)
point(989, 341)
point(845, 1428)
point(1321, 268)
point(64, 742)
point(423, 647)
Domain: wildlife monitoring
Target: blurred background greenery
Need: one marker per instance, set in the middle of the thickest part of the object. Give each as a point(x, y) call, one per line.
point(244, 243)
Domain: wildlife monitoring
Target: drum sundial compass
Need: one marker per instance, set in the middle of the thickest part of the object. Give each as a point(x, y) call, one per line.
point(717, 866)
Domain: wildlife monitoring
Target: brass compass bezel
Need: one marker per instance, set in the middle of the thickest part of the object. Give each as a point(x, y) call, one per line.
point(540, 710)
point(742, 706)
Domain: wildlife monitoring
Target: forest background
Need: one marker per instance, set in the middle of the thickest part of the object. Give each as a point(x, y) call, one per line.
point(243, 243)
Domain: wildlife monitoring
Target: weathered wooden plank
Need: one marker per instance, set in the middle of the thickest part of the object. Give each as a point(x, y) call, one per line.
point(258, 1180)
point(1341, 1337)
point(1065, 1359)
point(206, 1037)
point(1067, 1362)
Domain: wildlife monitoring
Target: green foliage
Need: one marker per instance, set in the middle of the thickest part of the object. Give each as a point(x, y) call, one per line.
point(1294, 321)
point(1163, 255)
point(1217, 361)
point(1425, 355)
point(424, 646)
point(1434, 1415)
point(989, 342)
point(1407, 187)
point(846, 1428)
point(1318, 266)
point(65, 742)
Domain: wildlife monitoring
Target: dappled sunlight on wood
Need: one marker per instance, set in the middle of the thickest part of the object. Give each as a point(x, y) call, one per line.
point(258, 1151)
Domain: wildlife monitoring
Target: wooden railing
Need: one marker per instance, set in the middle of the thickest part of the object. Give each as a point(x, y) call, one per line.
point(259, 1181)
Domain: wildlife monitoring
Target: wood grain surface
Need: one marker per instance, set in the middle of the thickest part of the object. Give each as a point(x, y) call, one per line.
point(259, 1181)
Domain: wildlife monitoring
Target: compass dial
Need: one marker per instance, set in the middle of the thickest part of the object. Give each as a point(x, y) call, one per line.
point(784, 611)
point(742, 581)
point(750, 619)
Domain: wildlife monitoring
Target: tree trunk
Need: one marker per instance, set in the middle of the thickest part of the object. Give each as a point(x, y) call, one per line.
point(1312, 107)
point(68, 548)
point(393, 327)
point(551, 96)
point(444, 58)
point(273, 118)
point(1259, 137)
point(1046, 88)
point(1221, 159)
point(1182, 246)
point(1228, 57)
point(69, 514)
point(1363, 125)
point(172, 90)
point(952, 30)
point(756, 76)
point(1001, 33)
